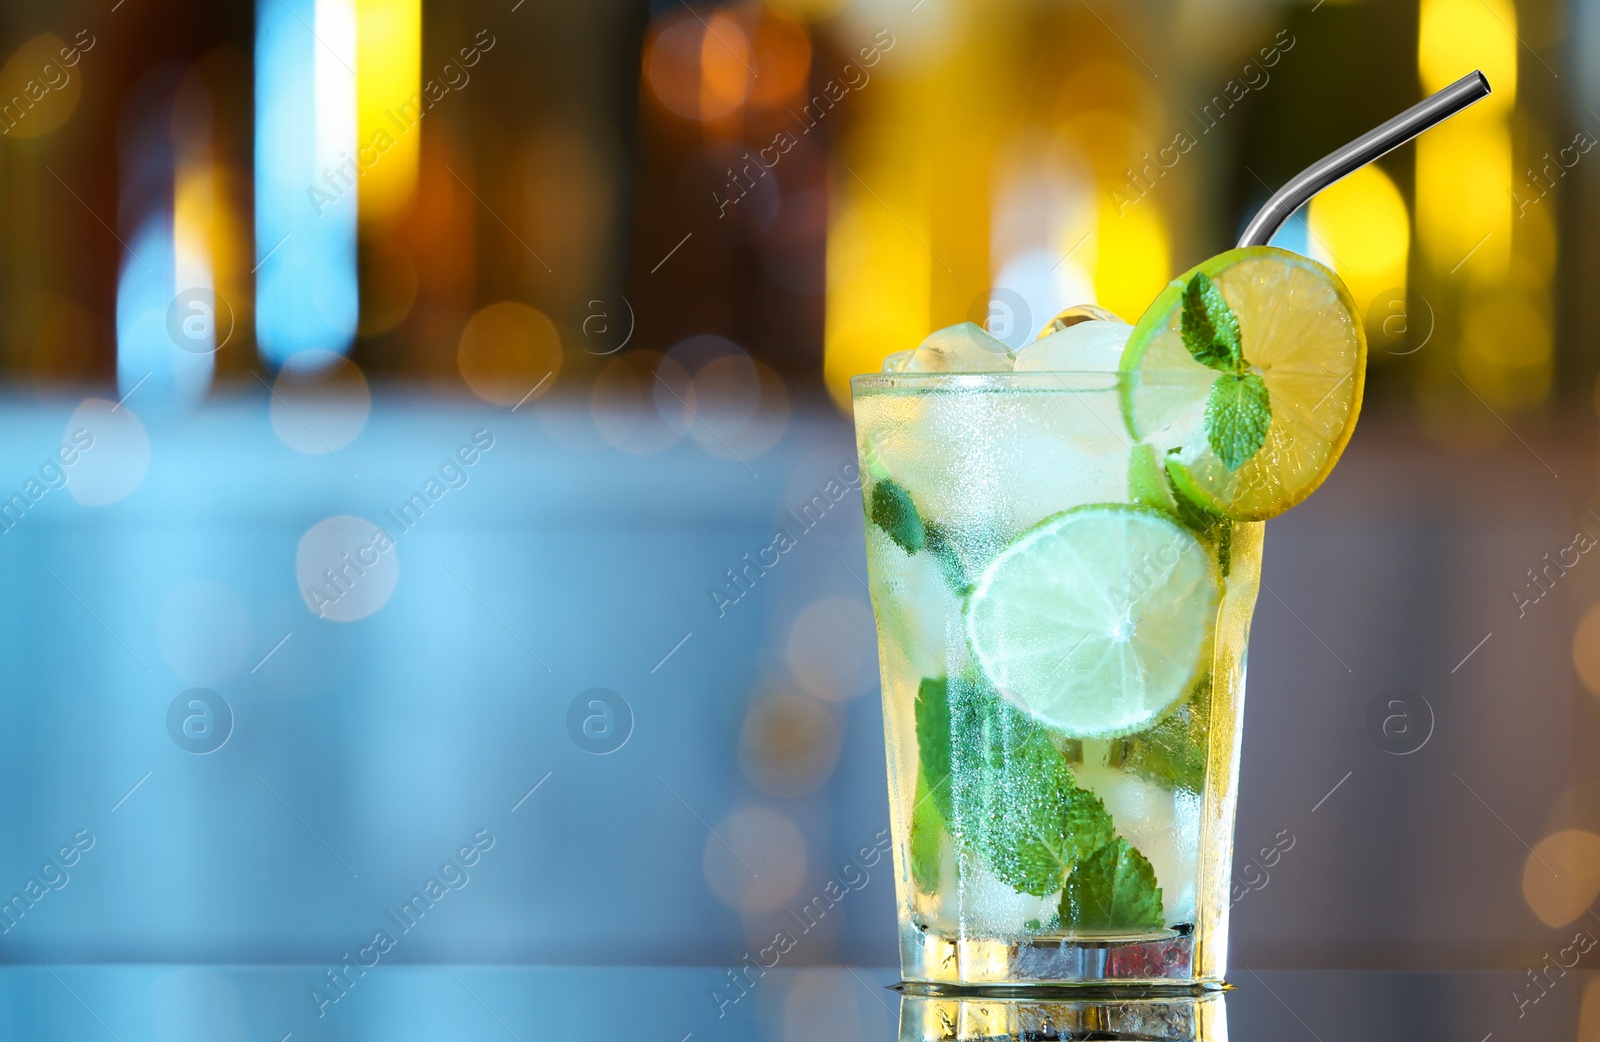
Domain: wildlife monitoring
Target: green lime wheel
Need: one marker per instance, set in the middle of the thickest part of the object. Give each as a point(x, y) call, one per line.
point(1097, 620)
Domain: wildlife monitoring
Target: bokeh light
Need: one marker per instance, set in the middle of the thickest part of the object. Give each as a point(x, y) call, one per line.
point(389, 103)
point(204, 631)
point(755, 860)
point(39, 86)
point(699, 70)
point(1361, 229)
point(1133, 259)
point(507, 351)
point(1455, 37)
point(789, 744)
point(879, 290)
point(1589, 1012)
point(306, 185)
point(1506, 346)
point(1561, 877)
point(345, 568)
point(1586, 649)
point(320, 402)
point(709, 388)
point(831, 649)
point(114, 452)
point(623, 406)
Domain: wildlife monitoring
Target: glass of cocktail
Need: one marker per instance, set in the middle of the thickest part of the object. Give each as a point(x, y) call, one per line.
point(1064, 549)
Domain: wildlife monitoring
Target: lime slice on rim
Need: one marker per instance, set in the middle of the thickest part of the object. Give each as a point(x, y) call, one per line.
point(1301, 334)
point(1096, 620)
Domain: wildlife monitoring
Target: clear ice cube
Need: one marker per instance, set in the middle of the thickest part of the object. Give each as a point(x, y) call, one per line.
point(1087, 347)
point(896, 363)
point(966, 348)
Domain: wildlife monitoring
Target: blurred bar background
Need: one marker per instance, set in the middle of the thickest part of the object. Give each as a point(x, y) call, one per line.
point(282, 259)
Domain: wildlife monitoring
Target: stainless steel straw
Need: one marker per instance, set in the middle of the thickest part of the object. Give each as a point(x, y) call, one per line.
point(1358, 153)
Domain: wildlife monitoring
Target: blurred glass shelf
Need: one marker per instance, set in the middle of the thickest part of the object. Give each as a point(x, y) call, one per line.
point(163, 1003)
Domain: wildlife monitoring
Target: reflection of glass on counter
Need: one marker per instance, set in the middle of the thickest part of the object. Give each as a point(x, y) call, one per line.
point(1096, 1013)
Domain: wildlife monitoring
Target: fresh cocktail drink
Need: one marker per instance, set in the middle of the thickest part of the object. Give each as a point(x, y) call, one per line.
point(1064, 549)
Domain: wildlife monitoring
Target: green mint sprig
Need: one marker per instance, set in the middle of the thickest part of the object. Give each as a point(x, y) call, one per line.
point(1239, 409)
point(1001, 788)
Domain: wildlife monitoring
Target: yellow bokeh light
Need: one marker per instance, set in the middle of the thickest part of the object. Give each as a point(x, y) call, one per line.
point(1561, 877)
point(509, 351)
point(879, 289)
point(1133, 259)
point(389, 102)
point(1464, 205)
point(1586, 649)
point(39, 86)
point(808, 10)
point(1362, 224)
point(1455, 37)
point(1589, 1012)
point(1506, 347)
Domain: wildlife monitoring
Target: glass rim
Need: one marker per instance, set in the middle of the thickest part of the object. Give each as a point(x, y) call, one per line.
point(1040, 380)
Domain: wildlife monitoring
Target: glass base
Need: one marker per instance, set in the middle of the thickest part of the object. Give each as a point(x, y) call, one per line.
point(1200, 1018)
point(995, 966)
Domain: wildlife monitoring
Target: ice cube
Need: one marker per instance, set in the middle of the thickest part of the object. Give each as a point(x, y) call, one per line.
point(897, 362)
point(966, 348)
point(1085, 347)
point(981, 903)
point(1161, 824)
point(1079, 313)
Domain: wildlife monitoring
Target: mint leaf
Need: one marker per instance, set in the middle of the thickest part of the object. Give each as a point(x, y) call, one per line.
point(893, 511)
point(1209, 326)
point(952, 566)
point(927, 838)
point(1173, 752)
point(1033, 847)
point(1002, 787)
point(1112, 889)
point(1238, 413)
point(932, 711)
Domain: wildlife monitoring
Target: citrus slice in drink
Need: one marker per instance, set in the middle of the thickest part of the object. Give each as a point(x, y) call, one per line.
point(1097, 620)
point(1300, 334)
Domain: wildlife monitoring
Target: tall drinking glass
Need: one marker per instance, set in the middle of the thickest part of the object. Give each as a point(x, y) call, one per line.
point(1063, 657)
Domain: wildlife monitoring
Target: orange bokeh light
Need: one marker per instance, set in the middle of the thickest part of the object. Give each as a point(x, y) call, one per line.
point(708, 69)
point(508, 352)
